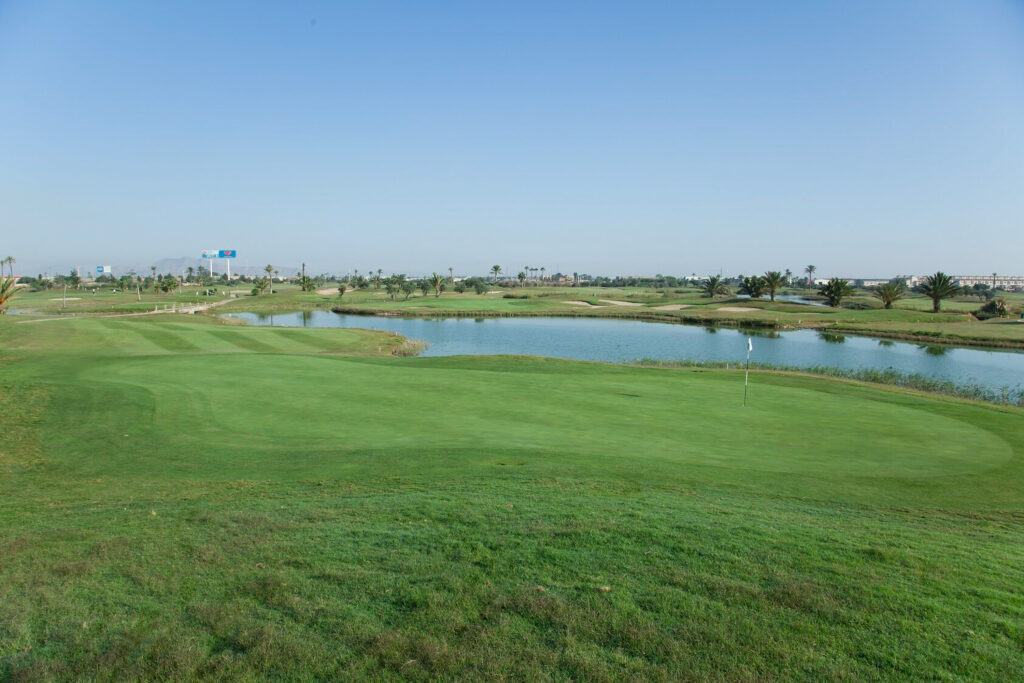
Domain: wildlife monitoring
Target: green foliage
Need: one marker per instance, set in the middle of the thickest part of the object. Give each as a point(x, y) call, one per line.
point(994, 308)
point(938, 287)
point(408, 287)
point(9, 289)
point(714, 286)
point(438, 283)
point(753, 286)
point(773, 281)
point(889, 293)
point(835, 290)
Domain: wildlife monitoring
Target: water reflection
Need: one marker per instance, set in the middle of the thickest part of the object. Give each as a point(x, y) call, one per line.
point(627, 340)
point(761, 333)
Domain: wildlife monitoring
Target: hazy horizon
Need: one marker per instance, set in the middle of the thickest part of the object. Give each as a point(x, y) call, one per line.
point(870, 140)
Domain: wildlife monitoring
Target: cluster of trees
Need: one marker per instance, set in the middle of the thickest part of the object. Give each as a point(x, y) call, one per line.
point(936, 287)
point(754, 286)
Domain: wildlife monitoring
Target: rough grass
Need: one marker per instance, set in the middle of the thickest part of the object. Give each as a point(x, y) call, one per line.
point(227, 511)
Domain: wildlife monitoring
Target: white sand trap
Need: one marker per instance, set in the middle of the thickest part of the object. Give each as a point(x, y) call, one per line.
point(581, 303)
point(328, 291)
point(672, 307)
point(738, 309)
point(613, 302)
point(70, 298)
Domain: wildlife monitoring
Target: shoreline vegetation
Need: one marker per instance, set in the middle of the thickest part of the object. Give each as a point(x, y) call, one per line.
point(1005, 396)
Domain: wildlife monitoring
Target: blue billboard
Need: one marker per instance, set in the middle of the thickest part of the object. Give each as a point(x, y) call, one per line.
point(227, 253)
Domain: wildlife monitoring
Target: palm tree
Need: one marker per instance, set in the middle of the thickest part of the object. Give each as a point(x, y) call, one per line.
point(714, 286)
point(153, 268)
point(269, 269)
point(773, 282)
point(451, 275)
point(938, 287)
point(754, 286)
point(810, 274)
point(542, 271)
point(522, 278)
point(437, 282)
point(8, 290)
point(10, 263)
point(889, 293)
point(191, 273)
point(835, 290)
point(496, 271)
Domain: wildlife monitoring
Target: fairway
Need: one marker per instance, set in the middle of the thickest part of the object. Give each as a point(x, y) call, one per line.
point(183, 497)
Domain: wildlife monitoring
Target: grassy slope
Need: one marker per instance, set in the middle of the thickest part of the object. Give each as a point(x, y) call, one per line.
point(184, 498)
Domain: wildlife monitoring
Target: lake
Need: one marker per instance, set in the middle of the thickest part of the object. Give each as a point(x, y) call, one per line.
point(629, 340)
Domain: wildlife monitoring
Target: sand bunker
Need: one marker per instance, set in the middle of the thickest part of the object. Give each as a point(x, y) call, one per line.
point(672, 307)
point(738, 309)
point(328, 291)
point(580, 303)
point(613, 302)
point(70, 298)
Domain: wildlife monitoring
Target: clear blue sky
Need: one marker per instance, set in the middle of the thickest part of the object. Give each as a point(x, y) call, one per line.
point(868, 138)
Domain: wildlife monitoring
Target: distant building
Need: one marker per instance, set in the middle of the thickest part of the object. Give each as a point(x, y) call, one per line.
point(1011, 282)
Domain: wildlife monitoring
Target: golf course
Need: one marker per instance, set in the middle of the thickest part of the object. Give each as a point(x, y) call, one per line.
point(186, 497)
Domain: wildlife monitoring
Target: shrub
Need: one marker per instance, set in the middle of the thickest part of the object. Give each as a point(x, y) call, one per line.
point(994, 308)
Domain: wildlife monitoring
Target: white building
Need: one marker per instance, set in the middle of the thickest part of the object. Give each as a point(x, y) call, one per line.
point(1004, 281)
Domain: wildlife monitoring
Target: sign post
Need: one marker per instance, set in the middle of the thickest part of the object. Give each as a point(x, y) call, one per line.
point(210, 254)
point(227, 255)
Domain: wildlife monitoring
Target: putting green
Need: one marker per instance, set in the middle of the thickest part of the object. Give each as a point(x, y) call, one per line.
point(279, 409)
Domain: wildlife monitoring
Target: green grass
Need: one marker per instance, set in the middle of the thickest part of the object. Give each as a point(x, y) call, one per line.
point(911, 318)
point(182, 498)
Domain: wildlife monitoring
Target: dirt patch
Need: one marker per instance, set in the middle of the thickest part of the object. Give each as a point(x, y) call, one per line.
point(672, 307)
point(70, 298)
point(738, 309)
point(329, 291)
point(613, 302)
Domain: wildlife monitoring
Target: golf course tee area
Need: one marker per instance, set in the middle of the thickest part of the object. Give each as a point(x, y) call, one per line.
point(181, 497)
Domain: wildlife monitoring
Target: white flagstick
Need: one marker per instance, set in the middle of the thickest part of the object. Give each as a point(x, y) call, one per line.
point(746, 378)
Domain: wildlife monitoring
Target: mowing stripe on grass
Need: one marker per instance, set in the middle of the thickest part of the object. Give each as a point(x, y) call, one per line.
point(168, 341)
point(311, 340)
point(243, 341)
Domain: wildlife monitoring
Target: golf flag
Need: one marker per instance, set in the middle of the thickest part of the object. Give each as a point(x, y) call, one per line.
point(746, 374)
